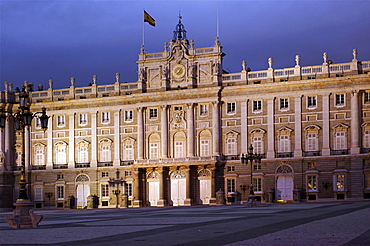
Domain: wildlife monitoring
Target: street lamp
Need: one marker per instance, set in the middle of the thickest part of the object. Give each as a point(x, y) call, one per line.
point(22, 215)
point(256, 158)
point(116, 183)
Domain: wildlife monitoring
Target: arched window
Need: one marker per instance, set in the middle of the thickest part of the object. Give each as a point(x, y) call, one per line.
point(258, 141)
point(105, 150)
point(39, 153)
point(179, 145)
point(231, 146)
point(154, 141)
point(205, 143)
point(83, 152)
point(61, 153)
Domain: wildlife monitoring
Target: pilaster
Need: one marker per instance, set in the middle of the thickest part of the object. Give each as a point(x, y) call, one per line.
point(326, 125)
point(140, 134)
point(244, 127)
point(355, 123)
point(298, 126)
point(270, 129)
point(164, 131)
point(71, 159)
point(94, 141)
point(215, 128)
point(50, 155)
point(117, 140)
point(191, 130)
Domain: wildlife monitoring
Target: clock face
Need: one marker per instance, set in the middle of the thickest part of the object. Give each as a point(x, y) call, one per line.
point(178, 71)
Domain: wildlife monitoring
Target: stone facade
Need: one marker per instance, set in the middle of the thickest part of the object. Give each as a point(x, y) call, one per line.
point(175, 136)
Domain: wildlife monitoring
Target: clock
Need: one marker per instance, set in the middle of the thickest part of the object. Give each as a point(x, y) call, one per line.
point(178, 71)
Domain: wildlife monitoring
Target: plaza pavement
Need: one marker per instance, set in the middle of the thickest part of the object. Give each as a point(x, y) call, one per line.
point(336, 223)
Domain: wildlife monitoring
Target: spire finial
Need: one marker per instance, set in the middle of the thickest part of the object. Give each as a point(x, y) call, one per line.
point(179, 33)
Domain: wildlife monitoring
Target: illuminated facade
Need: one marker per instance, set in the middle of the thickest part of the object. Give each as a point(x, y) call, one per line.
point(176, 134)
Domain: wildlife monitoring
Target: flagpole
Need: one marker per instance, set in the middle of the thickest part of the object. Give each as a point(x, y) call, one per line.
point(217, 24)
point(143, 34)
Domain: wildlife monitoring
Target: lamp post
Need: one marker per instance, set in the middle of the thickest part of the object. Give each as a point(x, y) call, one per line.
point(116, 183)
point(252, 158)
point(23, 215)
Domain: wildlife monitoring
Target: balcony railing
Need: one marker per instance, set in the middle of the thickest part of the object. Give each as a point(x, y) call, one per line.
point(365, 150)
point(60, 166)
point(284, 154)
point(339, 152)
point(127, 162)
point(105, 164)
point(82, 165)
point(39, 167)
point(311, 153)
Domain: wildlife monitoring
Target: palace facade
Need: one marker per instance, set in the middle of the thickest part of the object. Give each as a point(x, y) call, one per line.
point(175, 136)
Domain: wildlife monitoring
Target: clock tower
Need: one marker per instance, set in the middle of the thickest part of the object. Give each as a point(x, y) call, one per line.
point(180, 65)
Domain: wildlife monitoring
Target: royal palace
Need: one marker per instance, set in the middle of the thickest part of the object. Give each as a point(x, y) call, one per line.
point(175, 137)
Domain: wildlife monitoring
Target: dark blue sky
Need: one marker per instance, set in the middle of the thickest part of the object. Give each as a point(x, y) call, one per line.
point(60, 39)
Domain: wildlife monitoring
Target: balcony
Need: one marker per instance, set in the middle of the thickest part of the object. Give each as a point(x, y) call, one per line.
point(105, 164)
point(39, 167)
point(311, 153)
point(339, 152)
point(127, 163)
point(82, 165)
point(284, 154)
point(60, 166)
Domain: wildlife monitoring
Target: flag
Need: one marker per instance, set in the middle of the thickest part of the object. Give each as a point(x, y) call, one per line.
point(149, 19)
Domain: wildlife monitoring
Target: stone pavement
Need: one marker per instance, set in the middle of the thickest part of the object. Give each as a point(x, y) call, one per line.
point(337, 223)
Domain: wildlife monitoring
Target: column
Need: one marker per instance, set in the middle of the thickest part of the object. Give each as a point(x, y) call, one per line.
point(9, 144)
point(136, 190)
point(188, 199)
point(191, 130)
point(49, 163)
point(71, 159)
point(244, 127)
point(298, 126)
point(94, 140)
point(140, 133)
point(212, 201)
point(355, 124)
point(164, 131)
point(161, 202)
point(325, 125)
point(117, 140)
point(216, 128)
point(270, 129)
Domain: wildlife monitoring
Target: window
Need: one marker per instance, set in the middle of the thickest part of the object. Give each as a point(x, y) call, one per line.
point(230, 185)
point(231, 108)
point(153, 113)
point(339, 100)
point(231, 168)
point(231, 146)
point(178, 108)
point(60, 176)
point(339, 182)
point(311, 165)
point(105, 154)
point(61, 120)
point(367, 97)
point(340, 141)
point(129, 189)
point(284, 104)
point(256, 166)
point(284, 144)
point(203, 109)
point(204, 148)
point(311, 183)
point(39, 156)
point(179, 149)
point(38, 193)
point(83, 155)
point(366, 139)
point(257, 184)
point(38, 123)
point(61, 155)
point(104, 190)
point(129, 152)
point(311, 102)
point(129, 115)
point(257, 145)
point(105, 117)
point(311, 144)
point(83, 119)
point(153, 154)
point(18, 159)
point(257, 106)
point(104, 174)
point(128, 173)
point(60, 192)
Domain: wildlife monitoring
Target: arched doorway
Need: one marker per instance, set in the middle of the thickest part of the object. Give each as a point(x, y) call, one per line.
point(82, 190)
point(204, 177)
point(153, 188)
point(178, 188)
point(284, 184)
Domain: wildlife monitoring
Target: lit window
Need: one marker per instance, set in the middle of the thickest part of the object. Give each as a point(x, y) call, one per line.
point(257, 106)
point(231, 185)
point(311, 102)
point(284, 103)
point(231, 108)
point(129, 115)
point(339, 182)
point(311, 183)
point(339, 100)
point(104, 190)
point(153, 113)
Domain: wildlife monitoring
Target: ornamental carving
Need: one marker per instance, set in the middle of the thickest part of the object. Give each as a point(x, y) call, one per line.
point(284, 169)
point(178, 174)
point(82, 178)
point(178, 122)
